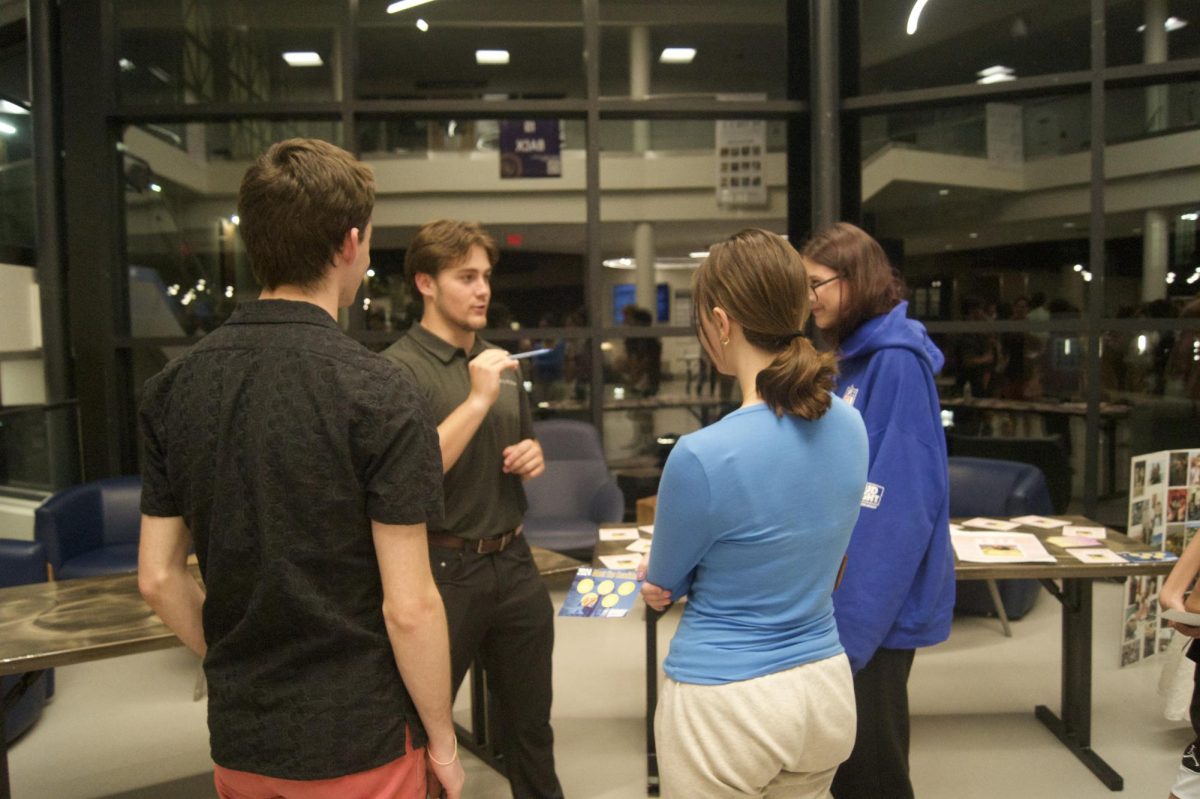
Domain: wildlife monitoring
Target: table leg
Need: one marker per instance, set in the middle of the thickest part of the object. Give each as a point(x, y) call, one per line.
point(652, 617)
point(1074, 729)
point(480, 739)
point(5, 790)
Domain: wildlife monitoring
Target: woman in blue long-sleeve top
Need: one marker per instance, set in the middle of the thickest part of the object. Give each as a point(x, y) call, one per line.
point(898, 590)
point(754, 516)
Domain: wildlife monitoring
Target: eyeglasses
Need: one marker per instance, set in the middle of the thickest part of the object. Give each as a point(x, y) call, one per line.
point(812, 287)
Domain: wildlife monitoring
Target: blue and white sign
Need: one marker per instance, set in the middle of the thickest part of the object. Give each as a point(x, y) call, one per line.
point(530, 148)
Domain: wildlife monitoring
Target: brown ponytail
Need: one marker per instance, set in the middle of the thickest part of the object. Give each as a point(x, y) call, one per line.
point(760, 280)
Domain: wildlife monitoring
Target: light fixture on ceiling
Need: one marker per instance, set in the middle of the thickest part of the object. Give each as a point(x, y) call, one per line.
point(303, 58)
point(943, 192)
point(7, 129)
point(701, 254)
point(405, 5)
point(154, 187)
point(1078, 267)
point(661, 263)
point(1087, 276)
point(491, 57)
point(997, 74)
point(125, 65)
point(7, 107)
point(1192, 217)
point(422, 25)
point(914, 16)
point(235, 219)
point(1170, 25)
point(677, 55)
point(161, 74)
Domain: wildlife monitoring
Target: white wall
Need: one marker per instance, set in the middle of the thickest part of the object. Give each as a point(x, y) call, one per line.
point(22, 381)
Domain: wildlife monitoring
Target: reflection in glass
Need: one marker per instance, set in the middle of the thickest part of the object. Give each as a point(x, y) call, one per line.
point(228, 51)
point(187, 266)
point(656, 389)
point(1151, 31)
point(17, 225)
point(671, 49)
point(433, 51)
point(949, 44)
point(1152, 199)
point(983, 205)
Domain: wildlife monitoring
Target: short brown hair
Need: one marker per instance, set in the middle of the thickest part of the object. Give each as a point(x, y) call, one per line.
point(441, 244)
point(296, 204)
point(871, 285)
point(760, 281)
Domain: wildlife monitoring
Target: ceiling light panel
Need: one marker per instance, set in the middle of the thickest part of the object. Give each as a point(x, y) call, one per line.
point(491, 57)
point(677, 55)
point(303, 58)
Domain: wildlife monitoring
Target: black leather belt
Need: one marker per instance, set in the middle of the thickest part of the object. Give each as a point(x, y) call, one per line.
point(481, 546)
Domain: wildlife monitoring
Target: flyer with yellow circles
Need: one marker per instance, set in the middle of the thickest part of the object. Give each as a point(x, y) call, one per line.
point(601, 593)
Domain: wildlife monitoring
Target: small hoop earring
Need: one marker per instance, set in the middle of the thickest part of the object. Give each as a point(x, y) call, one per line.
point(724, 342)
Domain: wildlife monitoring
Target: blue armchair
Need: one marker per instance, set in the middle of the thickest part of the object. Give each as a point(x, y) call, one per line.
point(21, 563)
point(986, 487)
point(576, 495)
point(91, 529)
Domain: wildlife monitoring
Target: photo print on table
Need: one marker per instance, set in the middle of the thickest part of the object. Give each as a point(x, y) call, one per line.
point(1176, 505)
point(1193, 504)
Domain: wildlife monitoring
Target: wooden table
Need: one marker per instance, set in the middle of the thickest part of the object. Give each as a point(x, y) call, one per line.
point(60, 623)
point(1073, 727)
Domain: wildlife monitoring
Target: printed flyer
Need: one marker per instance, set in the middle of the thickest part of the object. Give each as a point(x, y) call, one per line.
point(1164, 511)
point(601, 593)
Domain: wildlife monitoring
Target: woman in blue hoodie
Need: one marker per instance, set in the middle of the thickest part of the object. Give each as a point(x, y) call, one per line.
point(898, 589)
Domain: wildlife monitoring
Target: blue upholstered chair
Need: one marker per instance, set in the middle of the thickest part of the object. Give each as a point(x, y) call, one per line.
point(986, 487)
point(576, 494)
point(91, 529)
point(21, 563)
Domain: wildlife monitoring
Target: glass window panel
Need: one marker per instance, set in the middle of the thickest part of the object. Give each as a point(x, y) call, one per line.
point(452, 169)
point(1152, 199)
point(983, 202)
point(399, 60)
point(668, 190)
point(187, 265)
point(18, 230)
point(740, 48)
point(953, 43)
point(1133, 37)
point(228, 51)
point(656, 389)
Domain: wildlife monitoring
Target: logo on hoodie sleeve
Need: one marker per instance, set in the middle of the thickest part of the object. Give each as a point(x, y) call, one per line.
point(850, 395)
point(872, 496)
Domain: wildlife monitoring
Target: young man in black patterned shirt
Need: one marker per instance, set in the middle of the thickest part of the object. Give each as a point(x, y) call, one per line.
point(304, 469)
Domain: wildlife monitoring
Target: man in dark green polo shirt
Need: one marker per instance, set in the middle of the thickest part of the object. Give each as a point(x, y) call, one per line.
point(496, 606)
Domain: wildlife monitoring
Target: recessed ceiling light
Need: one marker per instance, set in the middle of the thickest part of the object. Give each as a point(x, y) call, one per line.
point(943, 192)
point(404, 5)
point(125, 64)
point(1192, 217)
point(698, 254)
point(154, 187)
point(7, 107)
point(303, 58)
point(914, 16)
point(677, 55)
point(161, 74)
point(7, 129)
point(491, 56)
point(973, 235)
point(1068, 225)
point(422, 25)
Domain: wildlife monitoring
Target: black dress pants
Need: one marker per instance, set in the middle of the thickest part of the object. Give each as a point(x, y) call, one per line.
point(878, 765)
point(499, 611)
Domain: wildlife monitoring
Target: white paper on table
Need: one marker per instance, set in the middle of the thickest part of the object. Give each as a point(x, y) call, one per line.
point(618, 534)
point(1044, 522)
point(621, 562)
point(641, 545)
point(1072, 541)
point(957, 528)
point(1000, 548)
point(1096, 555)
point(1081, 529)
point(990, 524)
point(648, 529)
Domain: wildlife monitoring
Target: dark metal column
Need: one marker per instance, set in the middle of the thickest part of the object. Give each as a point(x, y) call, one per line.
point(61, 428)
point(593, 269)
point(799, 149)
point(93, 190)
point(826, 124)
point(1095, 295)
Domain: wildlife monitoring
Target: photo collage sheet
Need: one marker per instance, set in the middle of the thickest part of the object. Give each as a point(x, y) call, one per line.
point(1164, 511)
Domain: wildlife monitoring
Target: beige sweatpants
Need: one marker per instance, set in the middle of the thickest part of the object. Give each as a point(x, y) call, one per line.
point(780, 735)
